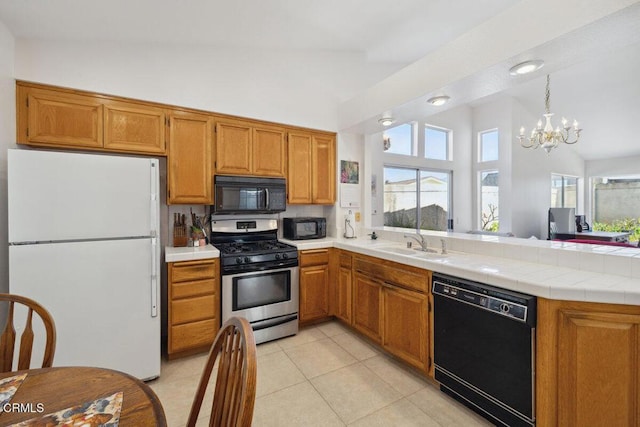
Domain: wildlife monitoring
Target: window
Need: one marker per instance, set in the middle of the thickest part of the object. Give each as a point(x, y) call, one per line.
point(564, 191)
point(616, 205)
point(489, 201)
point(417, 198)
point(488, 145)
point(400, 140)
point(436, 143)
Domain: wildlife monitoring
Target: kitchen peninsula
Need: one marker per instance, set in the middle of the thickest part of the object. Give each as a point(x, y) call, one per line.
point(586, 314)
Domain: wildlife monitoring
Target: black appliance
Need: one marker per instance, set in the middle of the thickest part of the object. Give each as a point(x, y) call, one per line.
point(259, 276)
point(249, 195)
point(302, 228)
point(484, 348)
point(581, 224)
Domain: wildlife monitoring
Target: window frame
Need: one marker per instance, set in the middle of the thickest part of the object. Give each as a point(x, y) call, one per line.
point(448, 150)
point(564, 177)
point(480, 198)
point(480, 144)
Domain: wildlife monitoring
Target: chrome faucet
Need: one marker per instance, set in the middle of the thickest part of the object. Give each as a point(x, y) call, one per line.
point(444, 246)
point(418, 238)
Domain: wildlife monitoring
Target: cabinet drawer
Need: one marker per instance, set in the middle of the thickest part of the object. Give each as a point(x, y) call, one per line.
point(192, 309)
point(194, 288)
point(392, 272)
point(187, 271)
point(314, 257)
point(193, 335)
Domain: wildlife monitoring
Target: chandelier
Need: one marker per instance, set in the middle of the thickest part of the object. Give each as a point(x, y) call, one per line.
point(547, 137)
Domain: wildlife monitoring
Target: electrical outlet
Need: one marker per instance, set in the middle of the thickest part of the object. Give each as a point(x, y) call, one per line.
point(357, 216)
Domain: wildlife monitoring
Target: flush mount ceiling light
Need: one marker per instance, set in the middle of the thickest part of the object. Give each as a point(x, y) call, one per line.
point(386, 121)
point(547, 137)
point(438, 100)
point(526, 67)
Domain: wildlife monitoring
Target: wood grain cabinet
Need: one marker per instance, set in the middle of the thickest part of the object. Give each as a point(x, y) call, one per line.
point(189, 159)
point(249, 148)
point(134, 127)
point(193, 306)
point(59, 118)
point(314, 285)
point(344, 288)
point(311, 168)
point(588, 364)
point(390, 305)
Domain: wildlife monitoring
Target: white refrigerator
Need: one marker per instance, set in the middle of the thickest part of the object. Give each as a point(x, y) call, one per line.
point(84, 242)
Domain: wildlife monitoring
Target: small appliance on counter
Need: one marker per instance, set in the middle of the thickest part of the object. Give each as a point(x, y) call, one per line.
point(302, 228)
point(581, 224)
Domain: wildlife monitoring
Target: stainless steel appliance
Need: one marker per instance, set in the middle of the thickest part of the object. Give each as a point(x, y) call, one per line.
point(562, 223)
point(241, 194)
point(303, 228)
point(581, 224)
point(484, 348)
point(259, 276)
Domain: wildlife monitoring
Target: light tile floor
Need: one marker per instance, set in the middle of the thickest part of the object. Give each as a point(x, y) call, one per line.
point(324, 376)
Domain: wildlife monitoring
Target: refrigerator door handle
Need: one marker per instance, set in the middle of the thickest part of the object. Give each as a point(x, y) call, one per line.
point(154, 278)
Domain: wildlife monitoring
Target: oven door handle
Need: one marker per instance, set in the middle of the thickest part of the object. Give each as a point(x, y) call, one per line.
point(269, 323)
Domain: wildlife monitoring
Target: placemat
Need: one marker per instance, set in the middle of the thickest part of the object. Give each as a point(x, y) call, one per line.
point(100, 412)
point(8, 387)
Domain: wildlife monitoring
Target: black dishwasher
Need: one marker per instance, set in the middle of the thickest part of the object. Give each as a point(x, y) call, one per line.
point(484, 348)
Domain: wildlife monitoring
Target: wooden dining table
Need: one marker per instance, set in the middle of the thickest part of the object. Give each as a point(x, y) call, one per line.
point(49, 390)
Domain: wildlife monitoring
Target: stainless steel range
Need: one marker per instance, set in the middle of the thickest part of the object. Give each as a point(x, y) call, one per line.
point(259, 276)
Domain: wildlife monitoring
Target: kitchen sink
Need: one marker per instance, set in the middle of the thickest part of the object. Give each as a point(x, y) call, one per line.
point(428, 254)
point(397, 250)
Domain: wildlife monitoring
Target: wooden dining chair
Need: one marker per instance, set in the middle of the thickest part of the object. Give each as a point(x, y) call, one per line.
point(8, 337)
point(234, 349)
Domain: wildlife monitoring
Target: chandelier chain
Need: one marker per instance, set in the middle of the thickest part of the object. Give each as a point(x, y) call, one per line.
point(547, 95)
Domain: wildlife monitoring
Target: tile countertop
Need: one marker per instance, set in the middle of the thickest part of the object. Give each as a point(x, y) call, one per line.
point(553, 270)
point(172, 254)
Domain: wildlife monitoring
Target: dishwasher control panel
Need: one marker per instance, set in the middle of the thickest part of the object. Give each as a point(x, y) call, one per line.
point(486, 297)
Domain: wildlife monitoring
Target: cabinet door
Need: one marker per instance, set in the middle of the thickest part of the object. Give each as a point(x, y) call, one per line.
point(367, 306)
point(299, 168)
point(233, 148)
point(189, 159)
point(134, 127)
point(314, 292)
point(405, 326)
point(598, 369)
point(63, 119)
point(323, 170)
point(269, 152)
point(343, 295)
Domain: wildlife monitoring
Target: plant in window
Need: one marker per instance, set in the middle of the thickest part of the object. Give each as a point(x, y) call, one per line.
point(489, 219)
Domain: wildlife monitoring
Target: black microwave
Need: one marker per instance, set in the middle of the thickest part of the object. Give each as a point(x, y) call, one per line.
point(302, 228)
point(249, 195)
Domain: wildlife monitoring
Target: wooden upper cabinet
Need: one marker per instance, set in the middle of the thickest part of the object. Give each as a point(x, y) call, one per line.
point(269, 152)
point(323, 172)
point(311, 168)
point(248, 148)
point(189, 159)
point(233, 148)
point(134, 127)
point(48, 117)
point(299, 169)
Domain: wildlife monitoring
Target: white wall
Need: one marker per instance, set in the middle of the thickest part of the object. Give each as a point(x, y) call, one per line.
point(531, 178)
point(289, 87)
point(7, 140)
point(351, 148)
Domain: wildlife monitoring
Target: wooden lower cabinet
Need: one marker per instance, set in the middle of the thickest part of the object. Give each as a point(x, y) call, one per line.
point(405, 324)
point(344, 289)
point(193, 306)
point(367, 306)
point(588, 364)
point(391, 306)
point(314, 285)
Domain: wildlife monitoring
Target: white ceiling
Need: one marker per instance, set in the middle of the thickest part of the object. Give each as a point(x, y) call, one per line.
point(602, 91)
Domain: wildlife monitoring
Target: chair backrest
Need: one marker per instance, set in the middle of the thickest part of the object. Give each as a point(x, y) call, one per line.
point(8, 337)
point(235, 388)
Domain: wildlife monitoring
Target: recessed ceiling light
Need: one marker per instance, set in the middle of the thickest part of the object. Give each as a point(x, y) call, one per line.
point(386, 121)
point(438, 100)
point(526, 67)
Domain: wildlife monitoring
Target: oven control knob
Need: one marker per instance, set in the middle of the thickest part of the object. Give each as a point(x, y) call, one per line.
point(277, 256)
point(285, 256)
point(504, 307)
point(239, 260)
point(247, 259)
